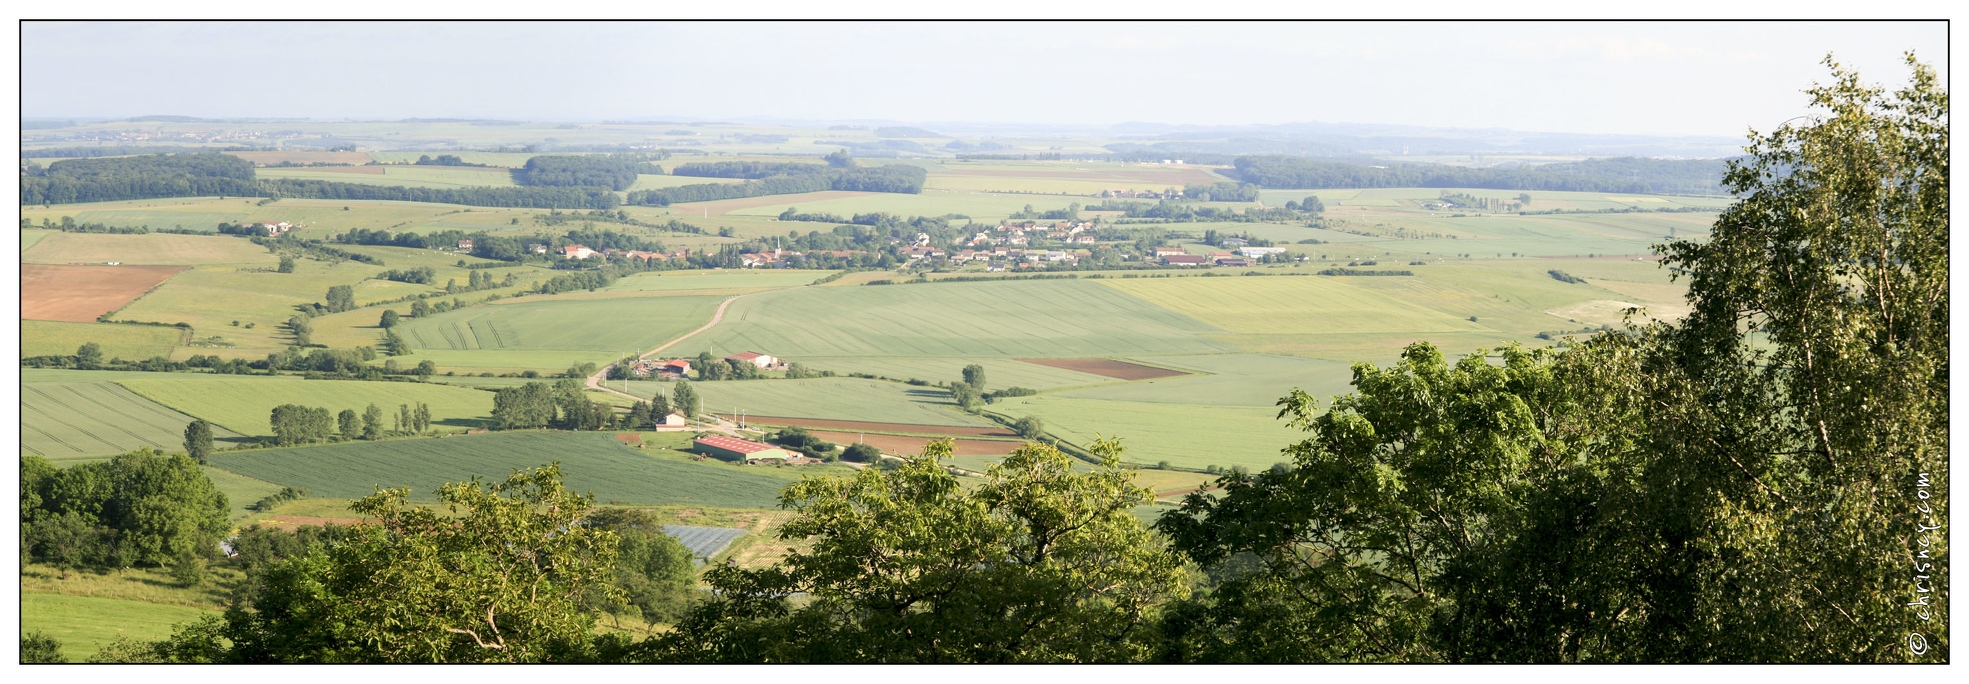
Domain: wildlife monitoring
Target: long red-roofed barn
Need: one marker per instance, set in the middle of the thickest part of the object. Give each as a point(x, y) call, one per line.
point(735, 449)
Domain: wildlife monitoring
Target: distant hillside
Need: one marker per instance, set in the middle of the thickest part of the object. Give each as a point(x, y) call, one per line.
point(906, 132)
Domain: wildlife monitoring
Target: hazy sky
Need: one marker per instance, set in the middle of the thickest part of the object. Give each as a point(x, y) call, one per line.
point(1649, 77)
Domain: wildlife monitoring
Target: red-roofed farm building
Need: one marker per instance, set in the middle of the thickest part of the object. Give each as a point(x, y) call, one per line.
point(734, 449)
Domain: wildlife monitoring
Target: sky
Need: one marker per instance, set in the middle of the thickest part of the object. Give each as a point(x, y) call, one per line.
point(1650, 78)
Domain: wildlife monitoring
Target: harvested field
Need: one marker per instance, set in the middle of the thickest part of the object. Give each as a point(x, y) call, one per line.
point(911, 446)
point(300, 157)
point(82, 293)
point(1119, 370)
point(944, 430)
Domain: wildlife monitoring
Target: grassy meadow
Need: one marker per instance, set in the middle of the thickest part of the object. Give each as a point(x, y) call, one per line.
point(243, 404)
point(85, 624)
point(1067, 318)
point(62, 338)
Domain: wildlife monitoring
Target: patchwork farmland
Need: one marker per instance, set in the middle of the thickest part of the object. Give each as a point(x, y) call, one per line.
point(1184, 365)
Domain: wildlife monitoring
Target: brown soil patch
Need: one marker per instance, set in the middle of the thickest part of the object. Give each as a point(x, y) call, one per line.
point(852, 426)
point(912, 446)
point(629, 438)
point(82, 293)
point(300, 157)
point(1119, 370)
point(722, 207)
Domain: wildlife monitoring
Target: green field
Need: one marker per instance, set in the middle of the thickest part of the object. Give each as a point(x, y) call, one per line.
point(999, 372)
point(1299, 305)
point(650, 181)
point(85, 624)
point(243, 403)
point(314, 218)
point(68, 420)
point(1254, 380)
point(507, 159)
point(60, 338)
point(664, 281)
point(507, 360)
point(1186, 435)
point(31, 236)
point(1066, 318)
point(828, 398)
point(241, 491)
point(154, 248)
point(604, 325)
point(592, 462)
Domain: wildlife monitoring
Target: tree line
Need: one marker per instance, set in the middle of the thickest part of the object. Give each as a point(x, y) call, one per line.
point(1624, 175)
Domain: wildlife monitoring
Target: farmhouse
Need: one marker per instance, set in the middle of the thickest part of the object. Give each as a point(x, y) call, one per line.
point(672, 422)
point(757, 359)
point(1185, 260)
point(1234, 242)
point(735, 449)
point(1256, 252)
point(537, 248)
point(275, 229)
point(577, 252)
point(1167, 251)
point(464, 245)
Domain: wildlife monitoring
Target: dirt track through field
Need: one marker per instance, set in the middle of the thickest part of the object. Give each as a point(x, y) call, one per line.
point(80, 294)
point(1119, 370)
point(853, 425)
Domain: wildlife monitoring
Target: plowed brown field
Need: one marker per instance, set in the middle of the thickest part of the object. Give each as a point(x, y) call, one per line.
point(82, 293)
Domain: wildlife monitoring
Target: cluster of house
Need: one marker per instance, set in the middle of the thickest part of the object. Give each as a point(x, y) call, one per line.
point(580, 251)
point(677, 369)
point(1175, 256)
point(1142, 194)
point(669, 370)
point(275, 229)
point(749, 452)
point(1076, 232)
